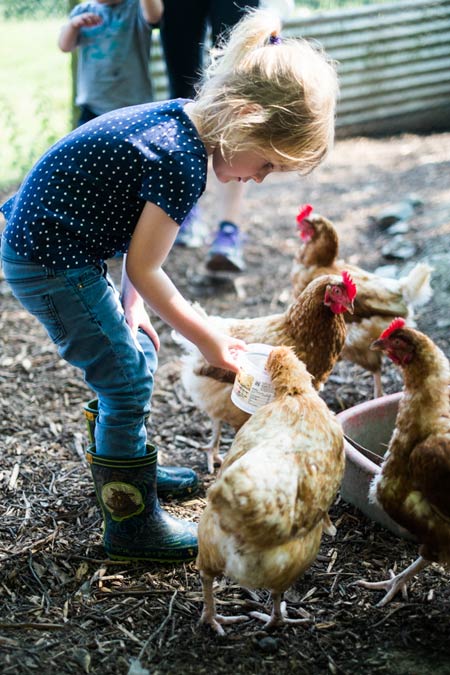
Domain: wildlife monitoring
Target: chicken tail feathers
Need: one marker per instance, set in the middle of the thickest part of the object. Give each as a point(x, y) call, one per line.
point(416, 286)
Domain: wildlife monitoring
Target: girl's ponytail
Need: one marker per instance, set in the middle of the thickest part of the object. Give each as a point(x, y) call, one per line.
point(252, 32)
point(270, 94)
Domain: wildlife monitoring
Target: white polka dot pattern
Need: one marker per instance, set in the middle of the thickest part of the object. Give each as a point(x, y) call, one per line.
point(80, 203)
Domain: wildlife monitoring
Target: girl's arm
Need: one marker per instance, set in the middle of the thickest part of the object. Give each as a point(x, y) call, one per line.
point(152, 10)
point(151, 242)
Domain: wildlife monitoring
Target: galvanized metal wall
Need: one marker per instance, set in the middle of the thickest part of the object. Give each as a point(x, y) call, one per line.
point(393, 64)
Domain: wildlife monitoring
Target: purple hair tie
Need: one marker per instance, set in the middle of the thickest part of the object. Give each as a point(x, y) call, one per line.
point(275, 39)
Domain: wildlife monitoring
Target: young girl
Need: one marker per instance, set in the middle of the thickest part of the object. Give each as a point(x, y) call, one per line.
point(124, 182)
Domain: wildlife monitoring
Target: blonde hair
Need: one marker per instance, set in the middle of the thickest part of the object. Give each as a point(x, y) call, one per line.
point(275, 98)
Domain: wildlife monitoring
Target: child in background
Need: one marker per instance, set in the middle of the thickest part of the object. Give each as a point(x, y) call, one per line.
point(126, 181)
point(113, 38)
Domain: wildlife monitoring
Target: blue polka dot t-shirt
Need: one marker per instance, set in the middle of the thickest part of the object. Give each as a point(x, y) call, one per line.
point(81, 202)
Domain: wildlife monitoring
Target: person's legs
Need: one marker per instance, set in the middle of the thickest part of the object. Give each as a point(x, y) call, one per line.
point(86, 115)
point(192, 232)
point(226, 251)
point(183, 34)
point(80, 310)
point(231, 198)
point(183, 30)
point(171, 481)
point(224, 14)
point(81, 313)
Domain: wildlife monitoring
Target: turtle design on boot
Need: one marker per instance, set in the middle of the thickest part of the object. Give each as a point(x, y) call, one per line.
point(135, 527)
point(171, 481)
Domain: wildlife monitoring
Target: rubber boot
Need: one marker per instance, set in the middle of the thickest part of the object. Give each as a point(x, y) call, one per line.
point(135, 527)
point(171, 481)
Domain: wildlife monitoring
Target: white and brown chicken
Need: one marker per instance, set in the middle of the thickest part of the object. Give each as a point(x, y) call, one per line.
point(265, 514)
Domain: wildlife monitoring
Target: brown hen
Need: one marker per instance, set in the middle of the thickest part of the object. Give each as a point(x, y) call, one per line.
point(379, 300)
point(413, 486)
point(313, 325)
point(263, 522)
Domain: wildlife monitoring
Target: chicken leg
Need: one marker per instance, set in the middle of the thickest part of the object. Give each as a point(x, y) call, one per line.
point(209, 614)
point(395, 583)
point(377, 384)
point(279, 614)
point(212, 449)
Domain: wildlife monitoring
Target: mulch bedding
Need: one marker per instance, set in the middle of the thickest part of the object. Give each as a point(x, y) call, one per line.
point(65, 608)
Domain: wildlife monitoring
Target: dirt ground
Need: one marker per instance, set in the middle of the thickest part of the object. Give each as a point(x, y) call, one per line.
point(66, 609)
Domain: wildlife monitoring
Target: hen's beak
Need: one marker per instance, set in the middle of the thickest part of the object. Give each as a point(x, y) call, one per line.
point(349, 306)
point(377, 345)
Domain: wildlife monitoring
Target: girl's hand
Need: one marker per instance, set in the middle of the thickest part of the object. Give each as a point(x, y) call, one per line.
point(222, 350)
point(137, 317)
point(133, 306)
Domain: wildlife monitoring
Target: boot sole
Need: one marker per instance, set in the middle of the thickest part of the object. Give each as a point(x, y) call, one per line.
point(156, 559)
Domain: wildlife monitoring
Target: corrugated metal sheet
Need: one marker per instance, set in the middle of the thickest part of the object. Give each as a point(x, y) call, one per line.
point(393, 64)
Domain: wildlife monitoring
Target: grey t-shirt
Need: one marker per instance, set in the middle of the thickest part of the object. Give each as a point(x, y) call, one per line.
point(113, 58)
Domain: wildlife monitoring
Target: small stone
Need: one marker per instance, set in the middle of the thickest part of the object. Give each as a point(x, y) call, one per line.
point(268, 644)
point(387, 271)
point(399, 248)
point(400, 227)
point(393, 213)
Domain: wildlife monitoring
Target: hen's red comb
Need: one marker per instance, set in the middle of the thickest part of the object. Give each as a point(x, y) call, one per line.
point(304, 212)
point(396, 323)
point(349, 285)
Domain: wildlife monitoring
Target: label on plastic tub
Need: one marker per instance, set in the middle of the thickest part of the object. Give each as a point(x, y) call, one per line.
point(252, 386)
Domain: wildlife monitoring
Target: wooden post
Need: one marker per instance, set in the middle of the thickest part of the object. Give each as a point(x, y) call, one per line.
point(74, 111)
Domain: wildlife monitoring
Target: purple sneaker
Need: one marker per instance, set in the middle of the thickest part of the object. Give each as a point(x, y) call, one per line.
point(192, 231)
point(225, 254)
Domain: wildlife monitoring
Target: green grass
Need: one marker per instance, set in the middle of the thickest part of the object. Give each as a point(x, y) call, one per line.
point(35, 90)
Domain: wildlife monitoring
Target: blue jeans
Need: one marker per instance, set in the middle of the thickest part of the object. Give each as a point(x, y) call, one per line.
point(81, 311)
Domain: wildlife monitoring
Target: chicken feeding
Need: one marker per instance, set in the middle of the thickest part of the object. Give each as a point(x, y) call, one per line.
point(413, 486)
point(313, 325)
point(379, 300)
point(265, 514)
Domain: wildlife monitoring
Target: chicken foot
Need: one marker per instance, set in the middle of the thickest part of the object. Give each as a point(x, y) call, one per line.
point(209, 614)
point(328, 526)
point(279, 614)
point(212, 449)
point(397, 582)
